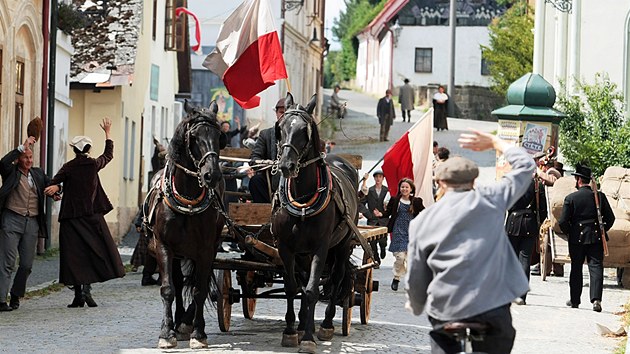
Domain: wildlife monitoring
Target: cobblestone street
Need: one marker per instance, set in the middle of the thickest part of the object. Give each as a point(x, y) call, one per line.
point(128, 317)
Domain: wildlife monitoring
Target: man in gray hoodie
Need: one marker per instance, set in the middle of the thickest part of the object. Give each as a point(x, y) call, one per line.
point(461, 266)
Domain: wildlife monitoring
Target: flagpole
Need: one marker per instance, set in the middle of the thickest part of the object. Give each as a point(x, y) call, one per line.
point(288, 84)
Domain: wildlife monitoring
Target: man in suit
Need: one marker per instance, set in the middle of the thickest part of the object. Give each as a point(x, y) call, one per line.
point(386, 114)
point(22, 219)
point(580, 221)
point(406, 98)
point(371, 200)
point(265, 149)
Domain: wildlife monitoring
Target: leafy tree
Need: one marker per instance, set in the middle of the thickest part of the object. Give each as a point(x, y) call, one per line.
point(357, 15)
point(595, 131)
point(511, 49)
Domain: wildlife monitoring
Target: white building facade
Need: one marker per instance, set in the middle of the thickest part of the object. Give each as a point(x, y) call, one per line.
point(410, 39)
point(578, 39)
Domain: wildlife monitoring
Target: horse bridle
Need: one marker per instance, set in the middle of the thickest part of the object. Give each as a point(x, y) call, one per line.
point(309, 143)
point(202, 161)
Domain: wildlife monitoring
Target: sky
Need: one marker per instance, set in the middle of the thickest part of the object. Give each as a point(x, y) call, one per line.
point(333, 8)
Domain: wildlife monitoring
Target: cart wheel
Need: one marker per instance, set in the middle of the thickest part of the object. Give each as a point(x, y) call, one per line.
point(224, 307)
point(346, 317)
point(366, 297)
point(249, 304)
point(543, 257)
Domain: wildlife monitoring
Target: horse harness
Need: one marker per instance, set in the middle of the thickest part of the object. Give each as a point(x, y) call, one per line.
point(164, 187)
point(324, 192)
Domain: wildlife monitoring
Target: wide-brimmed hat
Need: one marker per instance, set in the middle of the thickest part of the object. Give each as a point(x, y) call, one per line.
point(457, 170)
point(583, 171)
point(80, 142)
point(539, 155)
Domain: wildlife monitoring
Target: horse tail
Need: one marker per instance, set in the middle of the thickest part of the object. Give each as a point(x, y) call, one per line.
point(342, 260)
point(189, 269)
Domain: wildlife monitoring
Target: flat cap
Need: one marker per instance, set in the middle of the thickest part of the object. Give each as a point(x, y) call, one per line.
point(457, 170)
point(80, 142)
point(378, 172)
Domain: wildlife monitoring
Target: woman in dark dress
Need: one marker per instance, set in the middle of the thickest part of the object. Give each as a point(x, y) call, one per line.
point(440, 100)
point(88, 253)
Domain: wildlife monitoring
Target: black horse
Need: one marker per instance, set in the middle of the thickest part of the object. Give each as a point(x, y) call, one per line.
point(316, 203)
point(181, 211)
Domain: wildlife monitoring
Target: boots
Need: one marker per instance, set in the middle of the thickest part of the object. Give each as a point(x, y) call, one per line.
point(87, 295)
point(78, 300)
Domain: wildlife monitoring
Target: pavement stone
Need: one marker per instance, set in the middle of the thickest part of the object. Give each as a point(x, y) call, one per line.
point(128, 317)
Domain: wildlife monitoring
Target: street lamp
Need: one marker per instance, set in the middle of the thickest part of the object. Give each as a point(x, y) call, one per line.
point(561, 5)
point(396, 29)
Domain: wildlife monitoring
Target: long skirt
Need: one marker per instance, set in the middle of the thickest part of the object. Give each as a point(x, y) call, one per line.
point(87, 250)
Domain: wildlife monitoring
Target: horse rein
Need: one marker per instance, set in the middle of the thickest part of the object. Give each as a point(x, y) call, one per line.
point(300, 154)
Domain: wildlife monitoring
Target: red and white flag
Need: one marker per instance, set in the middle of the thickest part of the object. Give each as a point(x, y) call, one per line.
point(412, 157)
point(248, 56)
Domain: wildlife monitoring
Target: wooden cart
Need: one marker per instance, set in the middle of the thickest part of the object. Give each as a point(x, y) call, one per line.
point(259, 267)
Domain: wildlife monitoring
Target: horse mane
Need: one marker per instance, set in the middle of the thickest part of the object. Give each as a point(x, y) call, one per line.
point(177, 146)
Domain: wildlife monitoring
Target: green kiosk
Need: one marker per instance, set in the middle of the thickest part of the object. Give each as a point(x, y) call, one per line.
point(529, 119)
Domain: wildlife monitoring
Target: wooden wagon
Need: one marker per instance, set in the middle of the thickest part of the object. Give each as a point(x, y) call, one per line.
point(259, 267)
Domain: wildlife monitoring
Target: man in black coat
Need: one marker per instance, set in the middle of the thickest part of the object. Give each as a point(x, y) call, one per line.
point(374, 199)
point(579, 220)
point(22, 219)
point(386, 114)
point(522, 224)
point(265, 149)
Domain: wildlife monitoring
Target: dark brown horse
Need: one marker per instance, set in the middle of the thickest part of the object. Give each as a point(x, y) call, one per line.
point(315, 203)
point(181, 212)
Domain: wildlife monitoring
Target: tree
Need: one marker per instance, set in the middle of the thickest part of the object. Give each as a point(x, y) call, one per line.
point(595, 131)
point(511, 49)
point(357, 15)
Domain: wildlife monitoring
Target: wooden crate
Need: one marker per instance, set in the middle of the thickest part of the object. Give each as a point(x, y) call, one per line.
point(250, 213)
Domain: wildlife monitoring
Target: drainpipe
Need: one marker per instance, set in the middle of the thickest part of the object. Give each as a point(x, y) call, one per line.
point(390, 84)
point(45, 34)
point(50, 121)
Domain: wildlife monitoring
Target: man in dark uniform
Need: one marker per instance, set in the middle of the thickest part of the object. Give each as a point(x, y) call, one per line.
point(371, 200)
point(522, 225)
point(579, 220)
point(265, 149)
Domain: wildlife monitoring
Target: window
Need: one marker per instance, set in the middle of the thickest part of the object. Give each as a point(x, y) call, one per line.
point(485, 66)
point(163, 122)
point(126, 150)
point(19, 101)
point(169, 26)
point(154, 28)
point(424, 60)
point(132, 152)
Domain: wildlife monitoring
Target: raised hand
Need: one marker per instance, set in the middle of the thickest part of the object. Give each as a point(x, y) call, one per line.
point(30, 141)
point(106, 125)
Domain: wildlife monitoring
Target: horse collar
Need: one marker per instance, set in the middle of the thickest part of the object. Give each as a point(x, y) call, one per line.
point(184, 204)
point(318, 201)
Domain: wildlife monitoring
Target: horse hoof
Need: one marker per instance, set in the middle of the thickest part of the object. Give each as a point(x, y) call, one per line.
point(307, 346)
point(183, 332)
point(325, 334)
point(289, 340)
point(169, 343)
point(300, 335)
point(198, 344)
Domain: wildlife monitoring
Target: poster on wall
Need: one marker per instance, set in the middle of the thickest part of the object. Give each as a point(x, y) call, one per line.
point(534, 138)
point(509, 131)
point(225, 103)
